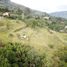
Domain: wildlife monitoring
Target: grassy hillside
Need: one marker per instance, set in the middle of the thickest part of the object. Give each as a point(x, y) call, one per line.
point(12, 26)
point(31, 41)
point(43, 40)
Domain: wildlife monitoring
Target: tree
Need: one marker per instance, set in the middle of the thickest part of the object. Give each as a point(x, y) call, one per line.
point(19, 11)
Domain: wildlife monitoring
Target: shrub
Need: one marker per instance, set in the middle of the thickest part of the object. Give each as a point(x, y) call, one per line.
point(17, 55)
point(62, 56)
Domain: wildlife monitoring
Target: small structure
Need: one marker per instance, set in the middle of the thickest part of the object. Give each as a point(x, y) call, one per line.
point(65, 27)
point(61, 31)
point(6, 14)
point(46, 18)
point(62, 22)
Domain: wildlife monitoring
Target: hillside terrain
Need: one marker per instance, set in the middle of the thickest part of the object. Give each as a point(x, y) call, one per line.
point(43, 40)
point(14, 7)
point(30, 38)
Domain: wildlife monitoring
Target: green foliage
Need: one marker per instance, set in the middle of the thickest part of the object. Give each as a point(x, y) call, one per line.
point(17, 55)
point(4, 9)
point(56, 26)
point(31, 22)
point(19, 11)
point(62, 55)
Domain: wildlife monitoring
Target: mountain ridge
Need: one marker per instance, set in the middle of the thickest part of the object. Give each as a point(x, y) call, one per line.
point(62, 14)
point(13, 6)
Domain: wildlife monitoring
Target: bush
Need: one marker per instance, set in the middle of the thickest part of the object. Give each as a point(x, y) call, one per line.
point(62, 56)
point(35, 22)
point(17, 55)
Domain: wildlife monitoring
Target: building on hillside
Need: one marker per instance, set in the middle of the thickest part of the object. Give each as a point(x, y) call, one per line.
point(46, 18)
point(61, 31)
point(6, 14)
point(62, 22)
point(65, 27)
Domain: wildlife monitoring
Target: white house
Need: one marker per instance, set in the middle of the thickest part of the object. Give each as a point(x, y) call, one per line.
point(46, 18)
point(6, 14)
point(65, 27)
point(61, 31)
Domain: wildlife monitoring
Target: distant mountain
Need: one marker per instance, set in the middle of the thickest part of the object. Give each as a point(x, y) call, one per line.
point(62, 14)
point(13, 6)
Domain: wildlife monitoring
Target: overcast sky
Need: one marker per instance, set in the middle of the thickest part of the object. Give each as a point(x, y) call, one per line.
point(44, 5)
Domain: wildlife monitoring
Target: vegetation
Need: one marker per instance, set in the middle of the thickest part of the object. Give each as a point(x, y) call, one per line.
point(42, 47)
point(17, 55)
point(4, 10)
point(32, 41)
point(35, 23)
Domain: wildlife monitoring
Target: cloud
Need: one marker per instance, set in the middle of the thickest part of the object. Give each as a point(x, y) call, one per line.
point(44, 5)
point(63, 8)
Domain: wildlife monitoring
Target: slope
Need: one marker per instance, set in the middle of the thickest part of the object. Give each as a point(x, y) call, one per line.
point(14, 7)
point(44, 40)
point(39, 37)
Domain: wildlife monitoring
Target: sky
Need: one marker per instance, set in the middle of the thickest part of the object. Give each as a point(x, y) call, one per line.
point(48, 6)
